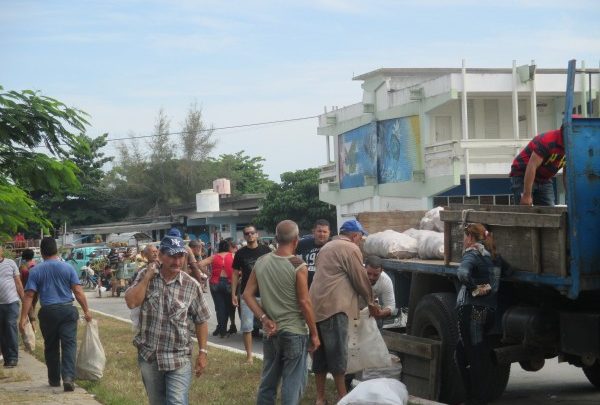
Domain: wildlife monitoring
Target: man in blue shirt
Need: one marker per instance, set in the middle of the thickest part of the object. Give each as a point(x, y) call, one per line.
point(56, 282)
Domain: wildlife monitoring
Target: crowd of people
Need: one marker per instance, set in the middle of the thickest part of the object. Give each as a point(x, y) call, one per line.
point(302, 292)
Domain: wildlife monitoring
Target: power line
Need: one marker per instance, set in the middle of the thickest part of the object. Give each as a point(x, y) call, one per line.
point(255, 124)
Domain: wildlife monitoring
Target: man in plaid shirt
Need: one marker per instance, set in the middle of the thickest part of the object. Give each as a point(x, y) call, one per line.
point(167, 295)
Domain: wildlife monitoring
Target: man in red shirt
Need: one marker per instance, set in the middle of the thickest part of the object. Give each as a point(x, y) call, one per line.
point(534, 167)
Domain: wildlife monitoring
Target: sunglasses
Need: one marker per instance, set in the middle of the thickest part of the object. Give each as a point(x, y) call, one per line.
point(249, 233)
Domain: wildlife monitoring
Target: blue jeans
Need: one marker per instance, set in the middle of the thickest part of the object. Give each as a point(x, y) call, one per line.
point(541, 193)
point(166, 387)
point(285, 360)
point(221, 295)
point(9, 337)
point(58, 324)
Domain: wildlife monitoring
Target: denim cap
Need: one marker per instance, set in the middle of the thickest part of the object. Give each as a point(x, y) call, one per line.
point(353, 225)
point(172, 245)
point(174, 232)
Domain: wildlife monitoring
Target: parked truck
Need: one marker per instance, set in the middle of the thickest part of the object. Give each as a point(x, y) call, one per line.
point(549, 306)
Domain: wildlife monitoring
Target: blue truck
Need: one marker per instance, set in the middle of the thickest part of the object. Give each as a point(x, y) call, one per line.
point(549, 303)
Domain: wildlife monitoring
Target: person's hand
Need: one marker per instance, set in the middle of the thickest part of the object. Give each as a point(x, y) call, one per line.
point(481, 290)
point(526, 199)
point(200, 363)
point(88, 316)
point(269, 326)
point(234, 300)
point(22, 324)
point(374, 310)
point(314, 343)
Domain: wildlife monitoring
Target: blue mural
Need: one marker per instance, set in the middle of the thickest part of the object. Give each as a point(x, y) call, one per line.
point(358, 156)
point(399, 149)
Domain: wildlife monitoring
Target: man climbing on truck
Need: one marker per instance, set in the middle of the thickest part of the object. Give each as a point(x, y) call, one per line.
point(534, 167)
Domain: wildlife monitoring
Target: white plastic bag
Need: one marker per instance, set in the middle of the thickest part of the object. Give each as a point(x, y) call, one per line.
point(431, 246)
point(134, 315)
point(390, 244)
point(380, 391)
point(28, 337)
point(90, 358)
point(431, 221)
point(366, 347)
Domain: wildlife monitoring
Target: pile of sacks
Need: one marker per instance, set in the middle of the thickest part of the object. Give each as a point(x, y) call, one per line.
point(424, 243)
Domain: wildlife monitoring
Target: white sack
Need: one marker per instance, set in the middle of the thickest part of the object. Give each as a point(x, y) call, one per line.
point(28, 337)
point(431, 246)
point(380, 391)
point(366, 347)
point(431, 221)
point(90, 358)
point(390, 244)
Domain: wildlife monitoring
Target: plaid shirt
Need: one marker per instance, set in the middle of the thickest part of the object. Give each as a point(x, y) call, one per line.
point(165, 313)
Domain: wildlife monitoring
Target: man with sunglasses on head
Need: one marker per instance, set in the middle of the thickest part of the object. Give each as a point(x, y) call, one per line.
point(243, 263)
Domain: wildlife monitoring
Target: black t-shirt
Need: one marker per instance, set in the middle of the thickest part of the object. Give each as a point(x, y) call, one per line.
point(244, 260)
point(307, 250)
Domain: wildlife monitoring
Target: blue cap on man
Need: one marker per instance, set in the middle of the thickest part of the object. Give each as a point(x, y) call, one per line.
point(172, 245)
point(353, 225)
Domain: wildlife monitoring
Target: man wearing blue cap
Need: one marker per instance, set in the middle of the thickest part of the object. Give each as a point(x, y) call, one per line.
point(169, 299)
point(335, 293)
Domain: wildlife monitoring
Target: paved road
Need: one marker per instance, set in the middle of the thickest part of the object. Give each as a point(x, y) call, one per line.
point(555, 383)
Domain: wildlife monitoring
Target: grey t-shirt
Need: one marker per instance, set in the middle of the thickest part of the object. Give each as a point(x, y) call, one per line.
point(8, 288)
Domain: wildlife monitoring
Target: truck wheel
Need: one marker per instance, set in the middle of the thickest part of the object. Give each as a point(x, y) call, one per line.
point(593, 373)
point(434, 318)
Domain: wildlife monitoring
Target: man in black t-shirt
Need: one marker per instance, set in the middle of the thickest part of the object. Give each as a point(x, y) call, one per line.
point(243, 263)
point(309, 247)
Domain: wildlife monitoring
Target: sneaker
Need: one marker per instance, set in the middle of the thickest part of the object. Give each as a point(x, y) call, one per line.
point(69, 385)
point(10, 364)
point(232, 330)
point(216, 331)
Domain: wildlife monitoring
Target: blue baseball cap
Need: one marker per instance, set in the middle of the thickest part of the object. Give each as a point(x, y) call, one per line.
point(174, 232)
point(353, 225)
point(172, 245)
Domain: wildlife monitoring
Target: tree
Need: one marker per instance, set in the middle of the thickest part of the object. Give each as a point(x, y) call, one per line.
point(197, 145)
point(296, 198)
point(93, 203)
point(29, 120)
point(245, 172)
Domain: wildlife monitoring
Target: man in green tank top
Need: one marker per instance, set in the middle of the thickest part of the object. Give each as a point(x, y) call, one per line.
point(287, 317)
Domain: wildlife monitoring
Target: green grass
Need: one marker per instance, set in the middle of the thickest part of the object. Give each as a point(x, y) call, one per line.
point(225, 381)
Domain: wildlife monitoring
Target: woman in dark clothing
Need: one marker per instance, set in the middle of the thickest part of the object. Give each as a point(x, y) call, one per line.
point(220, 284)
point(476, 305)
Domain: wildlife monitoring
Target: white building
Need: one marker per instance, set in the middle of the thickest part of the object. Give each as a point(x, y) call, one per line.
point(411, 143)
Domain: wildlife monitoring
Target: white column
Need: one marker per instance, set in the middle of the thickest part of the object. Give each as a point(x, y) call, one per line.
point(534, 126)
point(584, 90)
point(465, 129)
point(515, 104)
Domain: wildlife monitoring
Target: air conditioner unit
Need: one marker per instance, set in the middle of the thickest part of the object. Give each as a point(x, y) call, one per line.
point(370, 180)
point(331, 120)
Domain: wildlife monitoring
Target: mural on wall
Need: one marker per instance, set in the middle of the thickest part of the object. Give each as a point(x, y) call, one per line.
point(358, 156)
point(399, 149)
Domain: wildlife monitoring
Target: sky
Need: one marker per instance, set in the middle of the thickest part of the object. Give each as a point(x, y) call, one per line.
point(248, 62)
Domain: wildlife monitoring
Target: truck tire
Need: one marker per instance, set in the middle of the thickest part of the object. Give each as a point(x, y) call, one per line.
point(435, 318)
point(593, 373)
